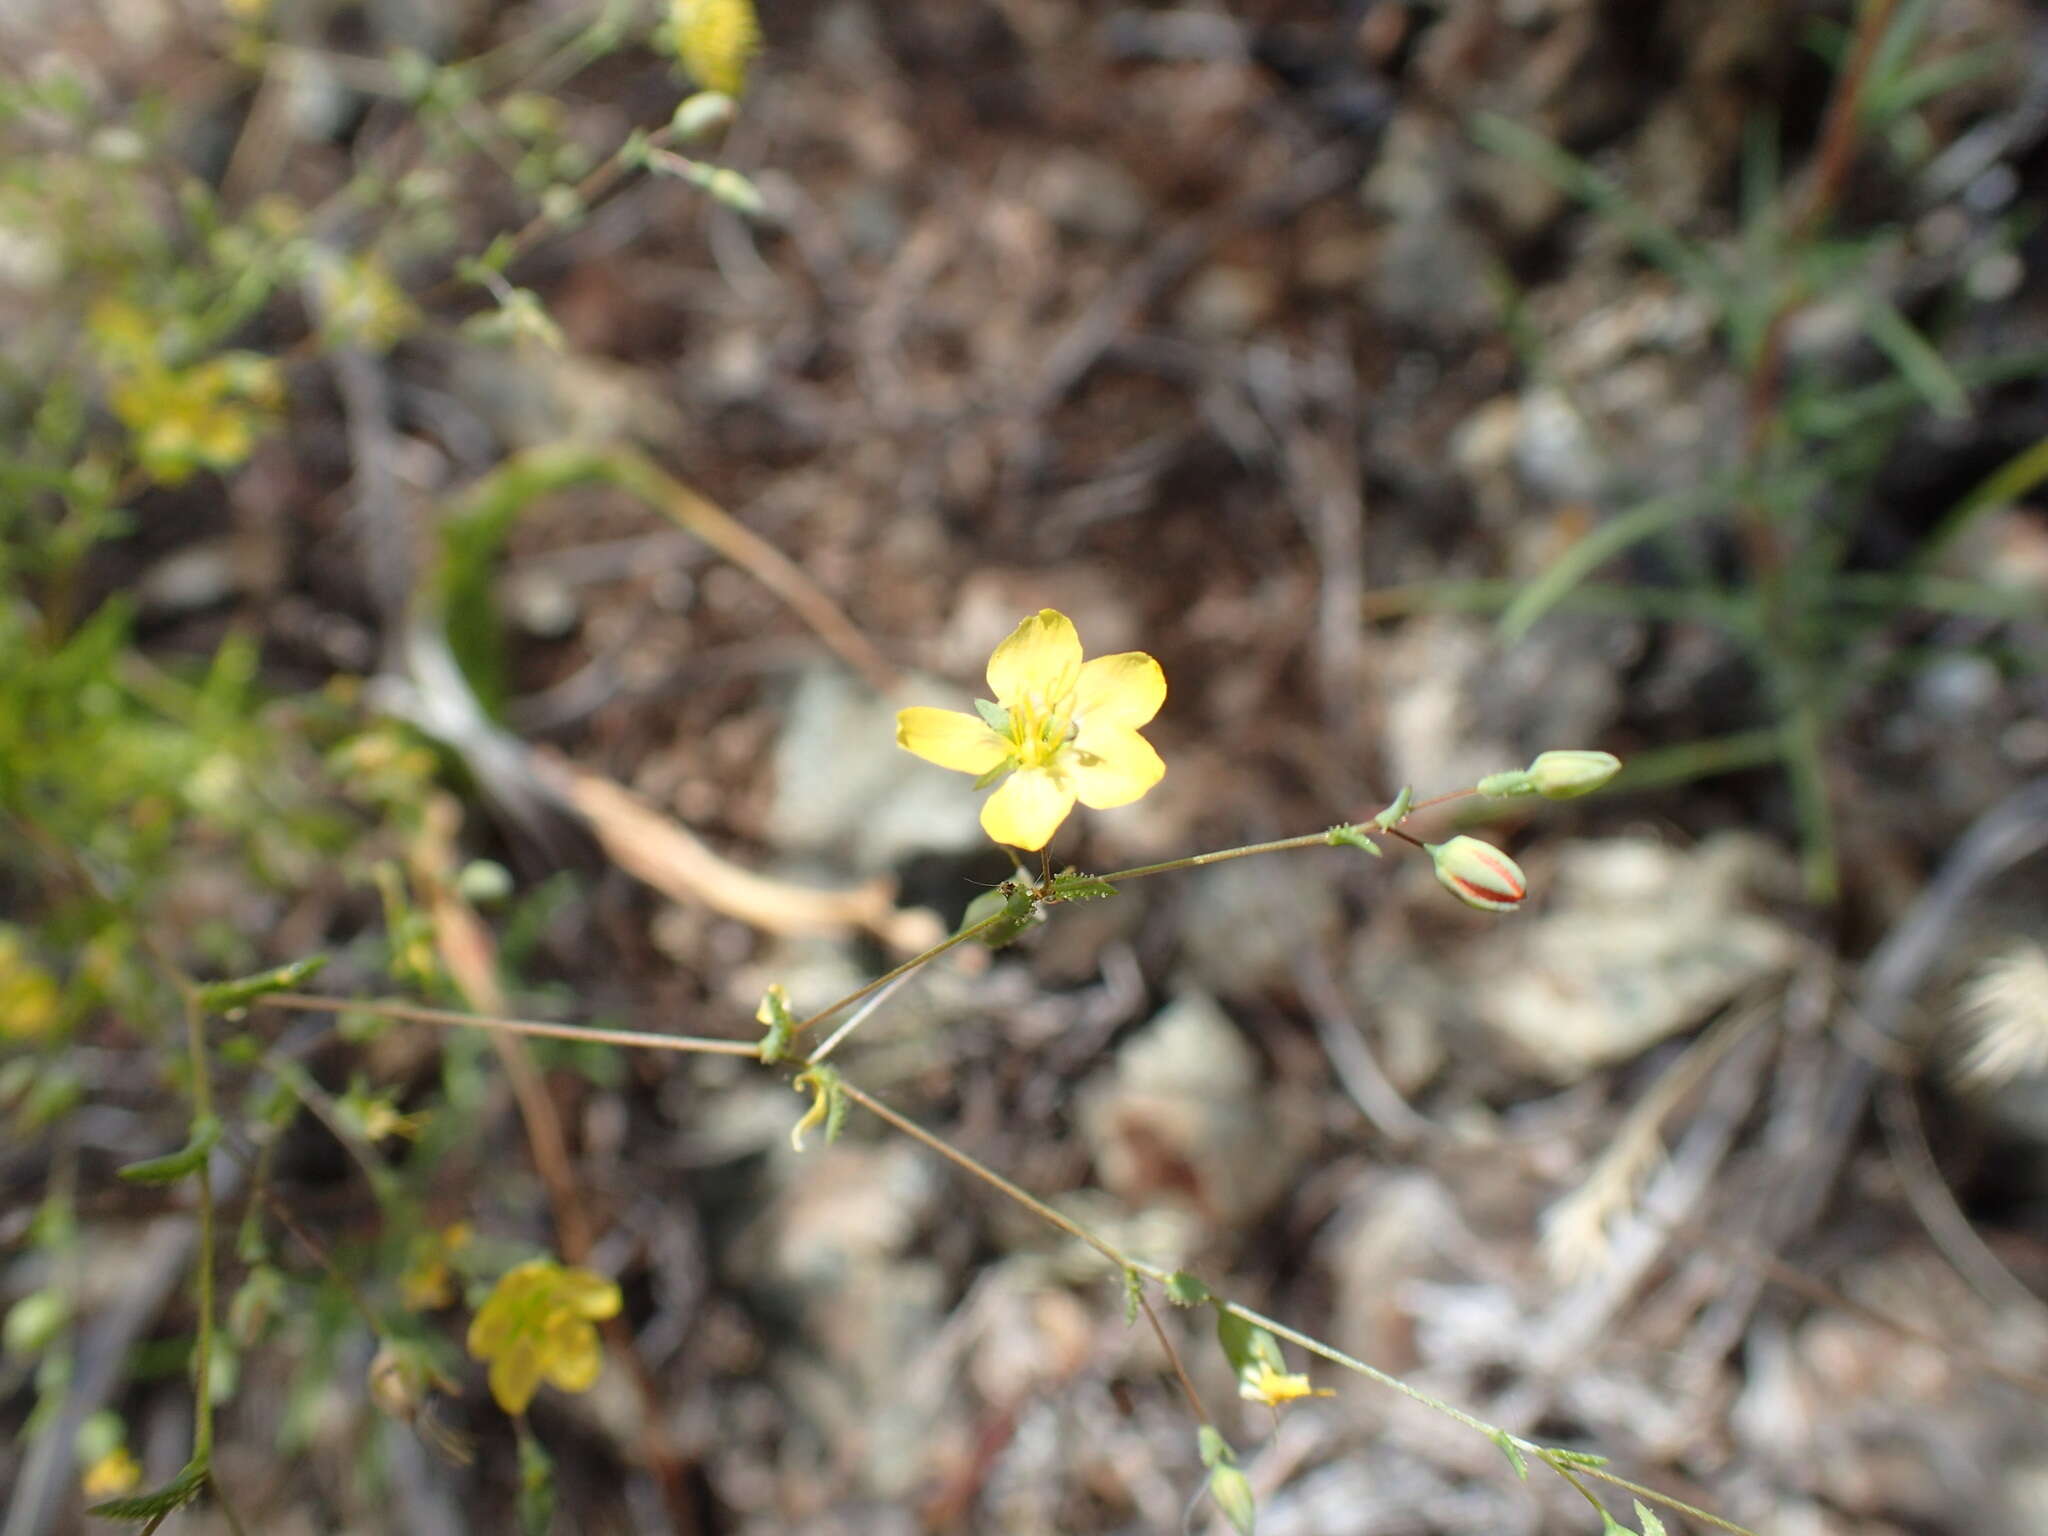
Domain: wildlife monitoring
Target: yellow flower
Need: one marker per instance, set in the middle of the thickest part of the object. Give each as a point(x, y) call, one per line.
point(1063, 729)
point(537, 1323)
point(716, 40)
point(426, 1285)
point(1263, 1384)
point(111, 1475)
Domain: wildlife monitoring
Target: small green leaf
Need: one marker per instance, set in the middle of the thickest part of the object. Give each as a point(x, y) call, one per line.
point(774, 1012)
point(176, 1494)
point(1232, 1491)
point(997, 717)
point(1557, 1456)
point(1184, 1290)
point(1512, 781)
point(1134, 1295)
point(1352, 837)
point(1647, 1518)
point(173, 1166)
point(1609, 1526)
point(228, 996)
point(1072, 885)
point(1216, 1451)
point(1397, 811)
point(1513, 1451)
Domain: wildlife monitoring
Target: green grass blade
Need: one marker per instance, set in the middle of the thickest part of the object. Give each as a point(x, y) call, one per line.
point(1596, 549)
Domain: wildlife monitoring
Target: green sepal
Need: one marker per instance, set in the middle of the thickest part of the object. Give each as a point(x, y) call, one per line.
point(997, 717)
point(835, 1105)
point(1016, 906)
point(1648, 1519)
point(174, 1495)
point(993, 774)
point(173, 1166)
point(227, 996)
point(1397, 811)
point(774, 1012)
point(1185, 1290)
point(1513, 781)
point(1348, 836)
point(1247, 1346)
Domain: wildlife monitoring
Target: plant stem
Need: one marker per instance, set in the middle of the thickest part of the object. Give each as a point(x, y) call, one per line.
point(1220, 856)
point(994, 1180)
point(202, 1110)
point(535, 1028)
point(1180, 1371)
point(889, 977)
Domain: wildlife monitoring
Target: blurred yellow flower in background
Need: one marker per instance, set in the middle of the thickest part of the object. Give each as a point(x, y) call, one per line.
point(111, 1475)
point(1063, 729)
point(717, 41)
point(536, 1324)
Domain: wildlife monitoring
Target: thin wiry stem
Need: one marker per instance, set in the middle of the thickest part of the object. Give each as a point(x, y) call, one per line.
point(448, 1018)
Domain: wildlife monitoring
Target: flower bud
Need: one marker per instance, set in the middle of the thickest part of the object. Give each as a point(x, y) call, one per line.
point(1478, 874)
point(1561, 775)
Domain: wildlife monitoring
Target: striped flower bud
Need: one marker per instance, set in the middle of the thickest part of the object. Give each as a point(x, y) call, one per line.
point(1478, 874)
point(1561, 775)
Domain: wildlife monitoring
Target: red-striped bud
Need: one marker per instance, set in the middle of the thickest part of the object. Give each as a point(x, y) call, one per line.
point(1479, 874)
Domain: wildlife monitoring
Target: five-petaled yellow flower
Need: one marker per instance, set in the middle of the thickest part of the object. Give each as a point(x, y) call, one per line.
point(537, 1323)
point(1064, 729)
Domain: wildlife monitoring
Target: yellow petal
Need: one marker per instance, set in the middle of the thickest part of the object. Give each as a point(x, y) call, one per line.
point(1041, 659)
point(574, 1359)
point(950, 739)
point(489, 1330)
point(1111, 765)
point(515, 1376)
point(1125, 689)
point(588, 1294)
point(1027, 808)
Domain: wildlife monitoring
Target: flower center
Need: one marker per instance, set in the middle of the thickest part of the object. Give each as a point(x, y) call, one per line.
point(1040, 726)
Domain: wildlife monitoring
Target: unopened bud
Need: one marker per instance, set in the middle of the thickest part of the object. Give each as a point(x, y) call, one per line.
point(1478, 874)
point(1561, 775)
point(701, 113)
point(397, 1384)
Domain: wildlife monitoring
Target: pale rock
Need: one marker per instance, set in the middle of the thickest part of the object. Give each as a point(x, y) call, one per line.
point(1182, 1118)
point(1632, 942)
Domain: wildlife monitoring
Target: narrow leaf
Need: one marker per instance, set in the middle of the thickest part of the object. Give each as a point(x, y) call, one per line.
point(1916, 359)
point(173, 1166)
point(227, 996)
point(1513, 1451)
point(176, 1494)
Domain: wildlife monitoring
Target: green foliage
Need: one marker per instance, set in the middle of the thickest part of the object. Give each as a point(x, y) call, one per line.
point(181, 1490)
point(173, 1166)
point(1811, 629)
